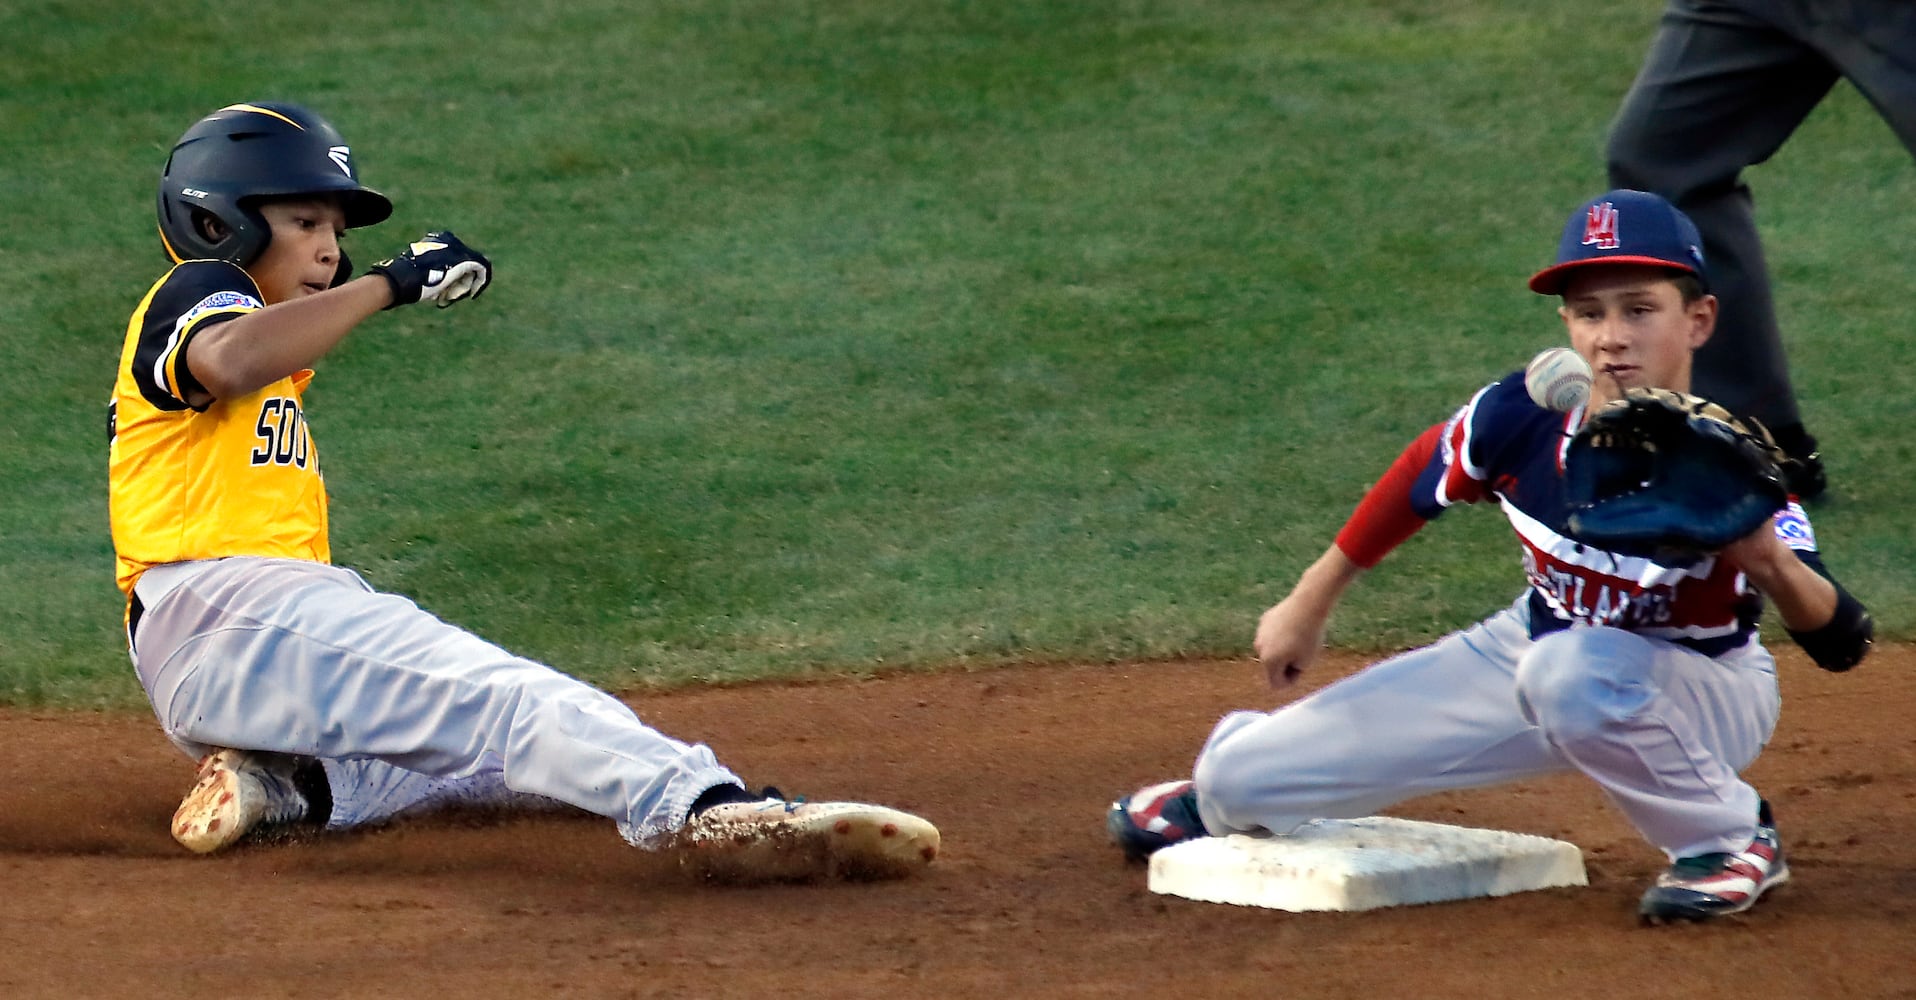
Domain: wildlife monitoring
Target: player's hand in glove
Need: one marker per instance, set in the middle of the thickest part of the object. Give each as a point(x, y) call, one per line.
point(436, 268)
point(1671, 477)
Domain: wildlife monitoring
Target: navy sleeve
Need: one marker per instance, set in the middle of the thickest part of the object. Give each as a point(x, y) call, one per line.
point(192, 297)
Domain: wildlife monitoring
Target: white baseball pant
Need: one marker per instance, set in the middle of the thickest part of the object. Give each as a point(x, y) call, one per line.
point(404, 710)
point(1662, 729)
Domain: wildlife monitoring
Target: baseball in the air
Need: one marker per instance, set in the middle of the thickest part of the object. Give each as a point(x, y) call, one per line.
point(1558, 379)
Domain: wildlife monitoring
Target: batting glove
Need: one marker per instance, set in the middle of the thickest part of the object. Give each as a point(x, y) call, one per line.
point(438, 269)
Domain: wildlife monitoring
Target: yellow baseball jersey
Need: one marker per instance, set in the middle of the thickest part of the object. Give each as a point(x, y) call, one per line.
point(239, 477)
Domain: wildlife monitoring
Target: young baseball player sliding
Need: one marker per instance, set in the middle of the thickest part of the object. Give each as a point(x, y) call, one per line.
point(1648, 678)
point(308, 697)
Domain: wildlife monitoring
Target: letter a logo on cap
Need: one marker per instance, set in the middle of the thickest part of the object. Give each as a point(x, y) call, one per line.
point(1600, 227)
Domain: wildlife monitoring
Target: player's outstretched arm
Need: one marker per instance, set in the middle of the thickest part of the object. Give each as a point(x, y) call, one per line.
point(234, 358)
point(263, 346)
point(1291, 634)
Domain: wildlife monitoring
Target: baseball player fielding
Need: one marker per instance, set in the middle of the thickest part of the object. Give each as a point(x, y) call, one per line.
point(1648, 677)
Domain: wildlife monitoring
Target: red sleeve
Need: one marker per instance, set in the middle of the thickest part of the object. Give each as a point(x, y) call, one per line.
point(1384, 518)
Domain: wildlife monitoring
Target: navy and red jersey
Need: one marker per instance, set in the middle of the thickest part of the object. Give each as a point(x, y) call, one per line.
point(1503, 447)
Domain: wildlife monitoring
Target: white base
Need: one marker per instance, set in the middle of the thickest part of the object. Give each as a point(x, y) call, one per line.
point(1362, 864)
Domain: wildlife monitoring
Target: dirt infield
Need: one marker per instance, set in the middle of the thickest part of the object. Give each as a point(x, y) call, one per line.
point(1016, 766)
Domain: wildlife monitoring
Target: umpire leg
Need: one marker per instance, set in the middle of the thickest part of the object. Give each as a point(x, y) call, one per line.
point(1873, 45)
point(1722, 87)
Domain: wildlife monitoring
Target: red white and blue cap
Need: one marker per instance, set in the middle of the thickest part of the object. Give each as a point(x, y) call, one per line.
point(1624, 227)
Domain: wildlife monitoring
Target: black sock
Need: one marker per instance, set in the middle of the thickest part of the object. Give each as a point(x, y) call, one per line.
point(309, 780)
point(718, 795)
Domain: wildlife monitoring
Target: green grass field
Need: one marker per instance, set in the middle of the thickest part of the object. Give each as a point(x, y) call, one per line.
point(854, 335)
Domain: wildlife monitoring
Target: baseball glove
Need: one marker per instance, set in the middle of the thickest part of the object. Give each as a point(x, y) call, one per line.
point(1671, 477)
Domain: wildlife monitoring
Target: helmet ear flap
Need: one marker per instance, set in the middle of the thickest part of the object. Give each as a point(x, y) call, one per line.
point(209, 227)
point(219, 230)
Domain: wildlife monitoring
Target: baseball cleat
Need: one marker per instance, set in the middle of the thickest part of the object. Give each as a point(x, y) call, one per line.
point(237, 791)
point(1153, 818)
point(779, 840)
point(1713, 885)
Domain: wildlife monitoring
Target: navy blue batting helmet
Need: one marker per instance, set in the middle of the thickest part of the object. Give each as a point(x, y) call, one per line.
point(242, 154)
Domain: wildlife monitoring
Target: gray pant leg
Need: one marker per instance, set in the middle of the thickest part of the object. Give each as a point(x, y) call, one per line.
point(302, 658)
point(1441, 717)
point(369, 791)
point(1664, 731)
point(1722, 87)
